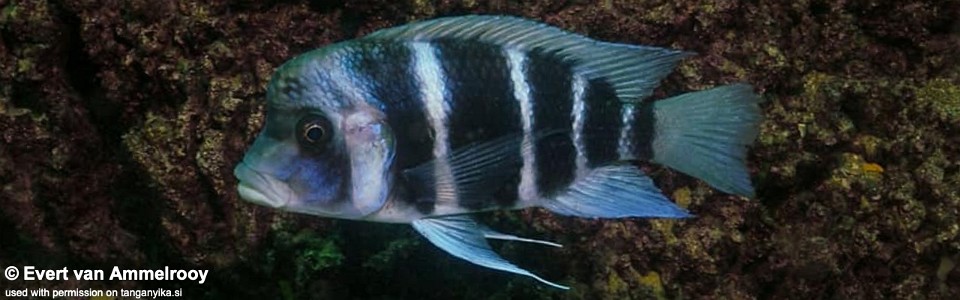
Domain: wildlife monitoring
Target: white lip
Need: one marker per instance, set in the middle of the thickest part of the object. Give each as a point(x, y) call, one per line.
point(261, 189)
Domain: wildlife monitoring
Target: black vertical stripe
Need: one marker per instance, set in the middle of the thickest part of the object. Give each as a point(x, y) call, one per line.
point(482, 100)
point(550, 84)
point(602, 123)
point(389, 70)
point(483, 108)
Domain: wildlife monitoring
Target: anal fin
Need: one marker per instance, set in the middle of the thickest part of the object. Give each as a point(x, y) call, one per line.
point(614, 191)
point(464, 238)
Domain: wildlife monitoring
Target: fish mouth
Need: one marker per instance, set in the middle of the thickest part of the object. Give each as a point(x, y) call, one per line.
point(261, 189)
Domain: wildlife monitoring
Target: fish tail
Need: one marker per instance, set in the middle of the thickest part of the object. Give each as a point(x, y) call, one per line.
point(705, 134)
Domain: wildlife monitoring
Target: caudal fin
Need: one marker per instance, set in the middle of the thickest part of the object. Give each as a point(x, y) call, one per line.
point(705, 135)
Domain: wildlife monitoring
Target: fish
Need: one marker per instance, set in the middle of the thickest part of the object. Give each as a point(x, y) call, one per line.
point(431, 122)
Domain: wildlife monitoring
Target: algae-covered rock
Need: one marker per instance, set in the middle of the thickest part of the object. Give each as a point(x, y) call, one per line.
point(121, 121)
point(943, 97)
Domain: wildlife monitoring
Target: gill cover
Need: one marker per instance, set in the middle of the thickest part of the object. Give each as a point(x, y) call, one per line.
point(369, 142)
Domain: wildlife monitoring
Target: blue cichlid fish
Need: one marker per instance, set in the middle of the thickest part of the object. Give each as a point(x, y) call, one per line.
point(429, 122)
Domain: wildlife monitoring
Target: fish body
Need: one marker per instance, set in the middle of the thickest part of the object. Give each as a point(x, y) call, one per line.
point(429, 122)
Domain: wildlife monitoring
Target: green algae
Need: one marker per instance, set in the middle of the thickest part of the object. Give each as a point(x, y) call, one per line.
point(652, 281)
point(867, 144)
point(947, 265)
point(615, 287)
point(853, 169)
point(9, 12)
point(423, 7)
point(682, 197)
point(295, 257)
point(316, 253)
point(943, 98)
point(665, 228)
point(628, 283)
point(395, 250)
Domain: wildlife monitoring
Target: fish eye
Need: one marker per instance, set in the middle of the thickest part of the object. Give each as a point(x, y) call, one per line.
point(314, 131)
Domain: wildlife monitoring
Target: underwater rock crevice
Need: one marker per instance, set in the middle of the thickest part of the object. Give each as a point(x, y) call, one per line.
point(82, 76)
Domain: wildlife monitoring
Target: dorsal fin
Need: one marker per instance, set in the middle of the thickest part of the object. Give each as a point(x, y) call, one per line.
point(633, 71)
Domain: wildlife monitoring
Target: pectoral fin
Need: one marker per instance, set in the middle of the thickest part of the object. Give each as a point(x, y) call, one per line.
point(464, 238)
point(477, 169)
point(491, 234)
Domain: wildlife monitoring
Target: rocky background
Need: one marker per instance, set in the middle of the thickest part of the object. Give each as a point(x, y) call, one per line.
point(121, 121)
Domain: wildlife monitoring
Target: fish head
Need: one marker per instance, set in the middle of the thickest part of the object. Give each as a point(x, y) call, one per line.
point(319, 152)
